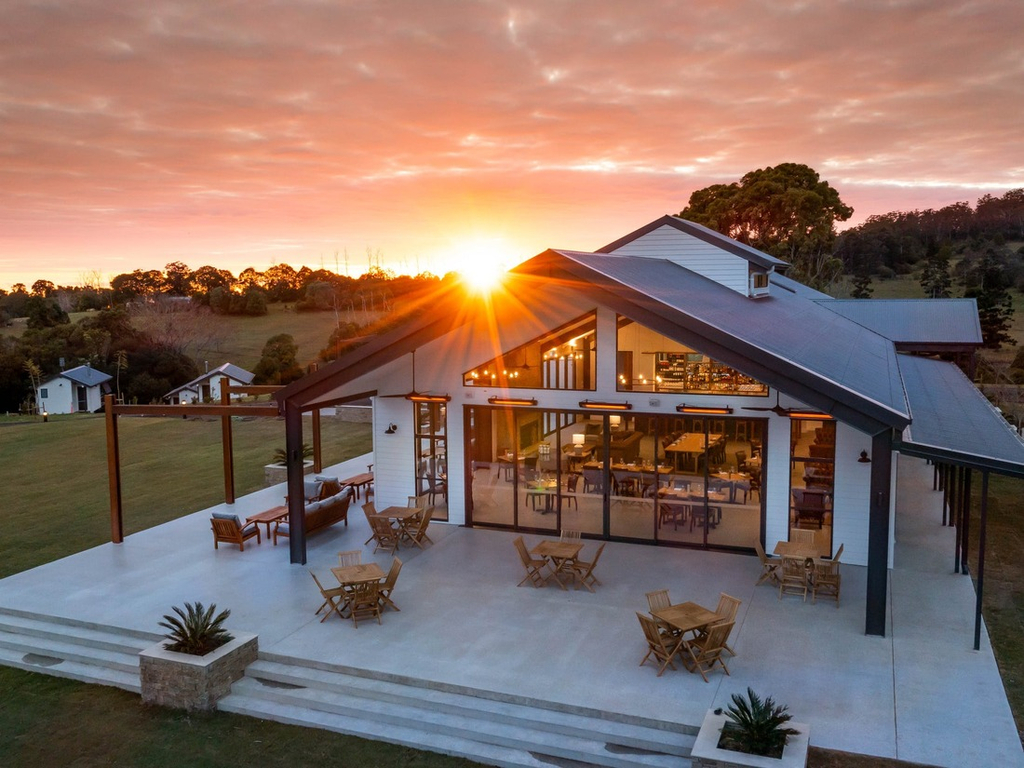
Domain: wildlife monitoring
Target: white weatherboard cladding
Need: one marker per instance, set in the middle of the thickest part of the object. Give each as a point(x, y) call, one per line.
point(696, 255)
point(850, 495)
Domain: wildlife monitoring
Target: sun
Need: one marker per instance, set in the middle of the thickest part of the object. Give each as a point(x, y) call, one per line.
point(482, 261)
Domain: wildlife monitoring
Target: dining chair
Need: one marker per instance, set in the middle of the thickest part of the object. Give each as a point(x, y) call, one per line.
point(569, 497)
point(658, 599)
point(707, 651)
point(384, 536)
point(570, 536)
point(802, 535)
point(662, 647)
point(827, 579)
point(335, 599)
point(351, 557)
point(793, 578)
point(388, 585)
point(585, 571)
point(369, 508)
point(769, 566)
point(727, 609)
point(532, 565)
point(364, 601)
point(419, 532)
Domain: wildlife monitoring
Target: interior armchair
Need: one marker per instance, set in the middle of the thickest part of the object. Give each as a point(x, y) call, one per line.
point(229, 529)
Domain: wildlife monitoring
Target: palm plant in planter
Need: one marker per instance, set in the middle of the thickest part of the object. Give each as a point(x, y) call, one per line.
point(755, 726)
point(281, 454)
point(196, 631)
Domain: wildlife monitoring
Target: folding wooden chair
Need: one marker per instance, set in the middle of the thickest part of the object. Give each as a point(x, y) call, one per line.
point(419, 534)
point(727, 609)
point(364, 601)
point(351, 557)
point(388, 585)
point(384, 535)
point(707, 651)
point(585, 571)
point(658, 599)
point(369, 508)
point(802, 535)
point(826, 577)
point(567, 535)
point(330, 596)
point(794, 577)
point(532, 565)
point(662, 647)
point(769, 567)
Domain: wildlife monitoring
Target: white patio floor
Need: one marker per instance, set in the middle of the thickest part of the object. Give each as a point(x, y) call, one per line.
point(919, 694)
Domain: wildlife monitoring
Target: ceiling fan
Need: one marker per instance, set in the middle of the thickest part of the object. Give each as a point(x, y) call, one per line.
point(777, 408)
point(792, 413)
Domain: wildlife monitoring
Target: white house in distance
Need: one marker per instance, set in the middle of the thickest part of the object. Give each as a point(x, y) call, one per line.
point(673, 389)
point(206, 388)
point(76, 390)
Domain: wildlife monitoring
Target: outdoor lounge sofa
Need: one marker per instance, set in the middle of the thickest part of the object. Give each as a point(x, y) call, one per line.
point(321, 513)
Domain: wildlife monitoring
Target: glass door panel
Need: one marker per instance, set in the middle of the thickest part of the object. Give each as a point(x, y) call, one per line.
point(631, 451)
point(492, 466)
point(584, 457)
point(537, 476)
point(812, 479)
point(432, 456)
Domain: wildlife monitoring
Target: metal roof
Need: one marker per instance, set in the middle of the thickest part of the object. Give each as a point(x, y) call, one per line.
point(86, 375)
point(823, 358)
point(952, 420)
point(791, 285)
point(227, 369)
point(915, 321)
point(699, 231)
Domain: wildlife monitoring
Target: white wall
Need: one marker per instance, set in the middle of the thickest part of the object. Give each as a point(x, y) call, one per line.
point(61, 397)
point(669, 243)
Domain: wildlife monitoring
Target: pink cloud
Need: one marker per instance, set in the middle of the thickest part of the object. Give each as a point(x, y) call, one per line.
point(134, 134)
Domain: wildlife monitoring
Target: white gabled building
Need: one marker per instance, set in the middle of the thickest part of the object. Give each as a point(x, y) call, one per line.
point(674, 389)
point(78, 390)
point(207, 388)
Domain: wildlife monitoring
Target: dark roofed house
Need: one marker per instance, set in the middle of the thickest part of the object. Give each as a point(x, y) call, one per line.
point(77, 390)
point(673, 389)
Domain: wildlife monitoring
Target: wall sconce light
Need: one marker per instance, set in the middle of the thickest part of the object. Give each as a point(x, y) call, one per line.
point(392, 428)
point(864, 458)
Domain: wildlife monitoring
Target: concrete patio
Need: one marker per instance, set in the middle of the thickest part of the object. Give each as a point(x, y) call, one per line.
point(919, 694)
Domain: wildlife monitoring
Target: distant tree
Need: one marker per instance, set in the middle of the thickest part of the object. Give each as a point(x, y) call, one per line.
point(281, 283)
point(206, 278)
point(43, 288)
point(339, 338)
point(156, 370)
point(935, 277)
point(177, 278)
point(14, 385)
point(319, 297)
point(786, 211)
point(255, 301)
point(278, 363)
point(862, 286)
point(44, 313)
point(987, 284)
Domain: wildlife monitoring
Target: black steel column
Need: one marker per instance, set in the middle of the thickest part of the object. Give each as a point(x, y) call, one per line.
point(956, 514)
point(944, 485)
point(966, 540)
point(878, 533)
point(296, 505)
point(981, 559)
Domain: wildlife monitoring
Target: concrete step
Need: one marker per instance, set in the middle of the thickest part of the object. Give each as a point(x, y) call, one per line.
point(73, 670)
point(81, 633)
point(631, 733)
point(414, 738)
point(78, 650)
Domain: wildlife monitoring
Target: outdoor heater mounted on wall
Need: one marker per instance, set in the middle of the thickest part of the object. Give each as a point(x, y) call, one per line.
point(605, 406)
point(708, 410)
point(512, 400)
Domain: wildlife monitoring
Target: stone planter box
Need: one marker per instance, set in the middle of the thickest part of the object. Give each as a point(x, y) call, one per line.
point(182, 681)
point(275, 473)
point(706, 753)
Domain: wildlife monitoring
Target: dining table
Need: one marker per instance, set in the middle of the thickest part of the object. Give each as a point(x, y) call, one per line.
point(690, 445)
point(403, 518)
point(560, 555)
point(733, 482)
point(799, 549)
point(544, 490)
point(350, 575)
point(684, 618)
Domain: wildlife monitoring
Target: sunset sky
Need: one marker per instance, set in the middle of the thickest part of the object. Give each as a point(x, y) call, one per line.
point(135, 133)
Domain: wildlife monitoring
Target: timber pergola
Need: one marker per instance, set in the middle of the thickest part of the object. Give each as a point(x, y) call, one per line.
point(225, 410)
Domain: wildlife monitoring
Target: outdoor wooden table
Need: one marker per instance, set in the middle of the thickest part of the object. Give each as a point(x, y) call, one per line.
point(685, 617)
point(268, 517)
point(798, 549)
point(402, 516)
point(358, 481)
point(561, 554)
point(348, 575)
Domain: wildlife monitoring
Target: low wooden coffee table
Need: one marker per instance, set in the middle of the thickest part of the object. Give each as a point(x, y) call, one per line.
point(268, 517)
